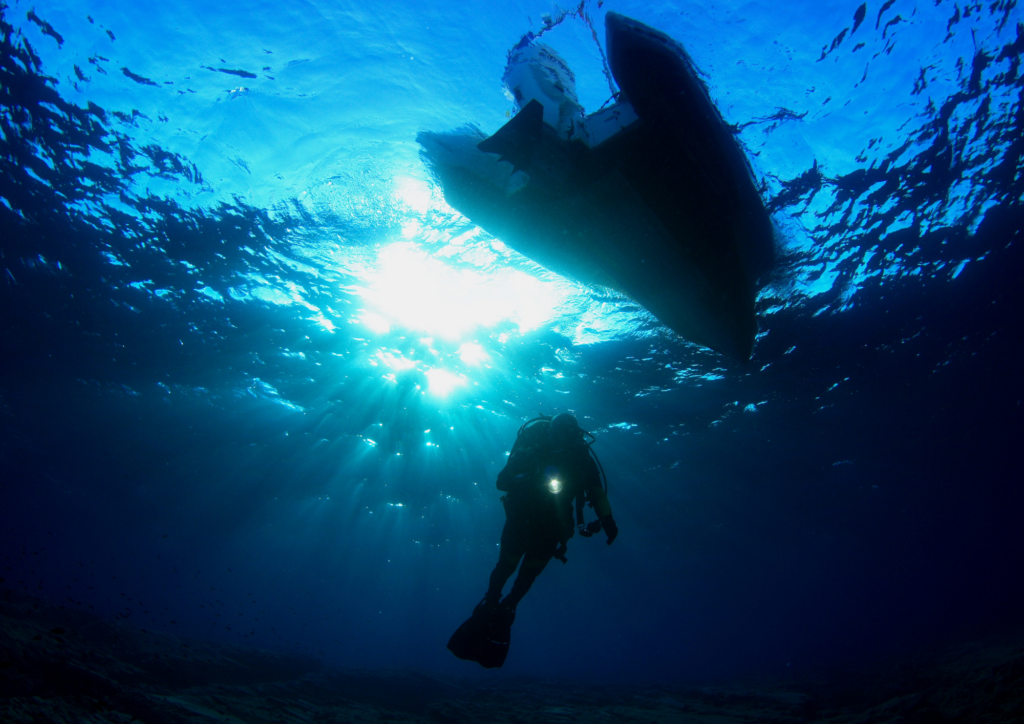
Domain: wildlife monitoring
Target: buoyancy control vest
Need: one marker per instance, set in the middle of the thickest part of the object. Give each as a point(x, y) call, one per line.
point(535, 434)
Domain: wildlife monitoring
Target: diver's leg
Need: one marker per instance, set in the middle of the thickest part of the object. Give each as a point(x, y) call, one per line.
point(504, 569)
point(512, 550)
point(536, 559)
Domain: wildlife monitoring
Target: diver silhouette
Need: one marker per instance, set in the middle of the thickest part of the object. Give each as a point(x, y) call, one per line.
point(550, 466)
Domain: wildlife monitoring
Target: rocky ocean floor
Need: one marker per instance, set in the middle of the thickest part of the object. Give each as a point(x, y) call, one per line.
point(59, 665)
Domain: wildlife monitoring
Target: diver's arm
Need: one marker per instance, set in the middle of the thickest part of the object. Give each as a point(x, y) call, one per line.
point(599, 500)
point(520, 463)
point(595, 493)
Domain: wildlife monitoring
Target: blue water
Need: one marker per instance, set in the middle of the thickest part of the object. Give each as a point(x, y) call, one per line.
point(257, 378)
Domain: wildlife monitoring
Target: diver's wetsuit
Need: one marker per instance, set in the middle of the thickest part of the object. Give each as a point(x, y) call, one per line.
point(537, 520)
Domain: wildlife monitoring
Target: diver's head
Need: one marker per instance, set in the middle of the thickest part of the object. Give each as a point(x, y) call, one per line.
point(565, 430)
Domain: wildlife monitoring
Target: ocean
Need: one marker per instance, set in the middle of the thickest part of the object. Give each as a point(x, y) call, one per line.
point(257, 376)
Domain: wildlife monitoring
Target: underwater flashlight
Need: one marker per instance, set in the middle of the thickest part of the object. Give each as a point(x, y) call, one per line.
point(554, 484)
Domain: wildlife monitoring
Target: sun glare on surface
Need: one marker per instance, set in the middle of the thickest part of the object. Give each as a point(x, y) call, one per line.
point(413, 192)
point(472, 353)
point(411, 289)
point(442, 382)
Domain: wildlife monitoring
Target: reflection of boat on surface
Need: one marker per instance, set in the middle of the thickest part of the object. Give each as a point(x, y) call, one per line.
point(652, 196)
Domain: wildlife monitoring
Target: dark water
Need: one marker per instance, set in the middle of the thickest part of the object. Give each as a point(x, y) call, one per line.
point(219, 421)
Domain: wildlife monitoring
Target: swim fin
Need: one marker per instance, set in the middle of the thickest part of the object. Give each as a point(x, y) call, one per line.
point(485, 635)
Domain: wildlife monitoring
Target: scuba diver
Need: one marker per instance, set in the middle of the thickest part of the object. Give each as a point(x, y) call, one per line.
point(550, 465)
